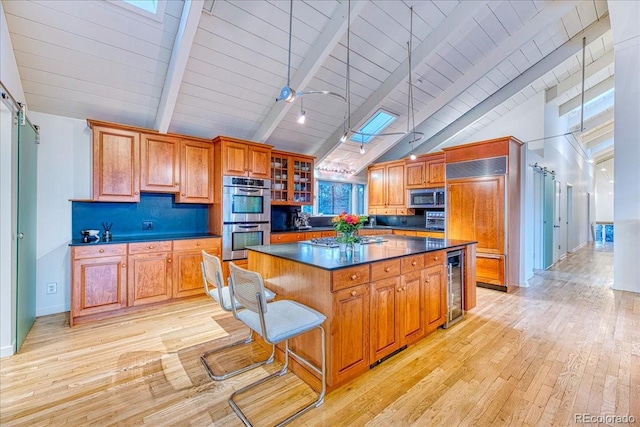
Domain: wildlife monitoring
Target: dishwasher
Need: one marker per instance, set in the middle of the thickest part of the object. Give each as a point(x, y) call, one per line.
point(455, 290)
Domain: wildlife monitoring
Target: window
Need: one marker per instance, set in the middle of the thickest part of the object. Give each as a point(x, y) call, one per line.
point(336, 197)
point(148, 5)
point(375, 125)
point(153, 9)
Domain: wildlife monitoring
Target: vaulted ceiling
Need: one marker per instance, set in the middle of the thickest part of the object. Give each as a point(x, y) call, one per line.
point(208, 68)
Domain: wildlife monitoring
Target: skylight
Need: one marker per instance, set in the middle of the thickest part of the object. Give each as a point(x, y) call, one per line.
point(375, 125)
point(148, 5)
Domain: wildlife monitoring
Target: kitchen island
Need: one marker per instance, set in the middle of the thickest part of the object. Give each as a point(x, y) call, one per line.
point(377, 300)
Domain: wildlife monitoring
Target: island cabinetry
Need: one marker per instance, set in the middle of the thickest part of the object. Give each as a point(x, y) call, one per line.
point(349, 334)
point(435, 283)
point(425, 171)
point(116, 160)
point(99, 280)
point(149, 272)
point(291, 179)
point(385, 317)
point(187, 256)
point(386, 189)
point(160, 163)
point(244, 158)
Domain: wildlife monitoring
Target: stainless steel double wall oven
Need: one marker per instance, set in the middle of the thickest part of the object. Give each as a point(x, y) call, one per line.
point(246, 207)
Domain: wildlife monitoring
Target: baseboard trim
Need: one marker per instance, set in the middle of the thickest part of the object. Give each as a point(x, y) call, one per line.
point(7, 350)
point(54, 309)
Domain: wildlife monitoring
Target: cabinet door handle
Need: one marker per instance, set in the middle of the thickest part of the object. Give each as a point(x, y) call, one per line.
point(101, 251)
point(354, 293)
point(177, 183)
point(435, 258)
point(354, 276)
point(135, 193)
point(413, 263)
point(124, 265)
point(387, 269)
point(169, 260)
point(198, 244)
point(150, 246)
point(183, 195)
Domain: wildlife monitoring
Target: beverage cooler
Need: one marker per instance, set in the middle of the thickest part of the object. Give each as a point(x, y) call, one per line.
point(455, 290)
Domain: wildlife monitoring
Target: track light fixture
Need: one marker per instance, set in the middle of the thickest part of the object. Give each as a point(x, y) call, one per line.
point(287, 93)
point(362, 149)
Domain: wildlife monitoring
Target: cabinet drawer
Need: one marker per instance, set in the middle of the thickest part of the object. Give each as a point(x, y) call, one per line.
point(196, 244)
point(331, 233)
point(287, 237)
point(348, 277)
point(385, 269)
point(149, 247)
point(490, 269)
point(80, 252)
point(434, 258)
point(312, 235)
point(412, 263)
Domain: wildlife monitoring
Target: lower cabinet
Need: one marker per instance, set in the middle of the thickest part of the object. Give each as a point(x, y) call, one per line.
point(385, 318)
point(435, 313)
point(149, 273)
point(106, 279)
point(349, 335)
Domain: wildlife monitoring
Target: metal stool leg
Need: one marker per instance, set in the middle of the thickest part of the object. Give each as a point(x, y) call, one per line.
point(223, 376)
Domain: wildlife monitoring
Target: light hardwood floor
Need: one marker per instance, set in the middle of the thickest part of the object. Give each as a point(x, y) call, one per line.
point(566, 345)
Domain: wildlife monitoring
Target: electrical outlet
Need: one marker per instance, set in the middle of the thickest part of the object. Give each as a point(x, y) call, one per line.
point(147, 225)
point(52, 288)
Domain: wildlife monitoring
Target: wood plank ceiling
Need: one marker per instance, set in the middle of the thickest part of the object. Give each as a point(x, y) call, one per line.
point(208, 68)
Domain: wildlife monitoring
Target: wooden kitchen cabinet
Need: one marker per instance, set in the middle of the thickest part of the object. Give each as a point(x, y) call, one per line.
point(385, 317)
point(386, 189)
point(160, 163)
point(291, 179)
point(187, 256)
point(426, 171)
point(149, 272)
point(108, 279)
point(244, 158)
point(116, 164)
point(413, 301)
point(99, 280)
point(196, 172)
point(287, 237)
point(483, 204)
point(435, 280)
point(349, 334)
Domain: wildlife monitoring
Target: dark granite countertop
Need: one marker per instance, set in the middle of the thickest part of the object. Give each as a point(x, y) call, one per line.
point(377, 227)
point(331, 258)
point(144, 238)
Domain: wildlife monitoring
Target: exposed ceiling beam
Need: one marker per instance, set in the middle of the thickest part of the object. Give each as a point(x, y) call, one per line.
point(604, 155)
point(539, 69)
point(595, 121)
point(575, 79)
point(457, 18)
point(189, 21)
point(589, 94)
point(327, 41)
point(595, 133)
point(592, 143)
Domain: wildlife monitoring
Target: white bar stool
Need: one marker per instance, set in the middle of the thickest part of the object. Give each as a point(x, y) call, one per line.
point(276, 322)
point(214, 287)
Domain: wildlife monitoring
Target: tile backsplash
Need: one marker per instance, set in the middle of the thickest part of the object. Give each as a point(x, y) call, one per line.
point(166, 216)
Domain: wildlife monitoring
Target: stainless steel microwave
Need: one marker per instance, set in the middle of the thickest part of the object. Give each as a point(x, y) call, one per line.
point(426, 198)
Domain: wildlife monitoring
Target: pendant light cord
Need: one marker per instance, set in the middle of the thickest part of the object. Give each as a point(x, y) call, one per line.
point(290, 28)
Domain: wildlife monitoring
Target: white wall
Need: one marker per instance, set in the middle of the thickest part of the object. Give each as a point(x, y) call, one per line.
point(63, 173)
point(604, 191)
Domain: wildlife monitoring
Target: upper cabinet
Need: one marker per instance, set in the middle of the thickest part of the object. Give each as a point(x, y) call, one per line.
point(160, 165)
point(244, 158)
point(387, 191)
point(127, 160)
point(116, 164)
point(291, 179)
point(196, 172)
point(426, 171)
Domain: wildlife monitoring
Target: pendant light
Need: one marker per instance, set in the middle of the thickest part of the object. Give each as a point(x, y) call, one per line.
point(415, 135)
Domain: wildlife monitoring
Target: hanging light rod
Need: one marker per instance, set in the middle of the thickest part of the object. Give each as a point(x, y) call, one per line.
point(355, 133)
point(287, 94)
